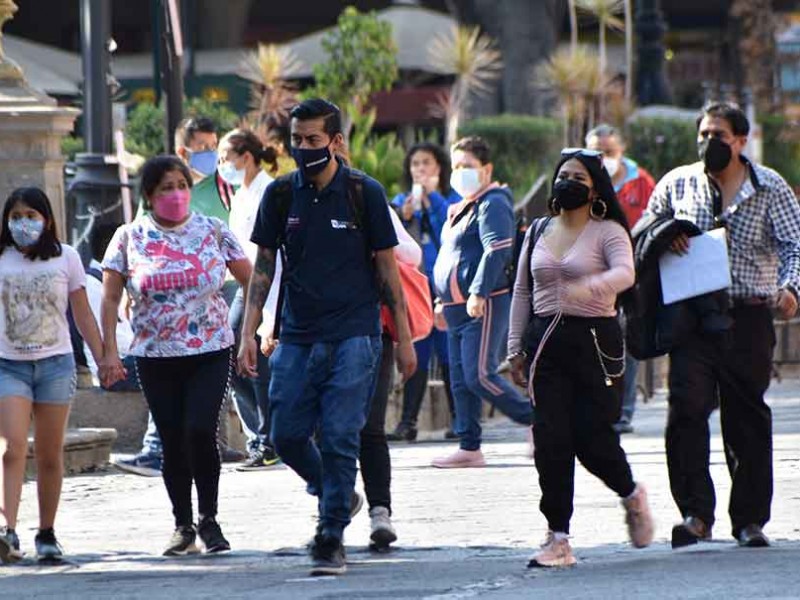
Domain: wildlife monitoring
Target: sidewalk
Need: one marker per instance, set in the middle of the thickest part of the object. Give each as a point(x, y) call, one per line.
point(462, 534)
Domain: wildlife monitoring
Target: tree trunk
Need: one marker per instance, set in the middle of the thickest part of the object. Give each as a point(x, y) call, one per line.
point(628, 50)
point(573, 27)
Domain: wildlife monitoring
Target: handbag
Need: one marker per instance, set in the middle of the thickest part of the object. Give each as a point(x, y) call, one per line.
point(419, 305)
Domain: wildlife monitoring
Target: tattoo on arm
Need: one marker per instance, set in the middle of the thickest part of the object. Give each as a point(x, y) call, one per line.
point(261, 279)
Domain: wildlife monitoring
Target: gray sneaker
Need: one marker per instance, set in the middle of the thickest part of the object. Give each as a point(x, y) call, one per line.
point(9, 546)
point(182, 542)
point(47, 546)
point(383, 533)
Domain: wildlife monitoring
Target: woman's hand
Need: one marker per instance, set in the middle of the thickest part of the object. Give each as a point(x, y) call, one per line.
point(476, 306)
point(518, 371)
point(268, 346)
point(439, 321)
point(407, 210)
point(246, 359)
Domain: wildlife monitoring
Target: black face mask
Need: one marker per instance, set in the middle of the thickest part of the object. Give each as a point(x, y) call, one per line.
point(715, 153)
point(570, 194)
point(311, 161)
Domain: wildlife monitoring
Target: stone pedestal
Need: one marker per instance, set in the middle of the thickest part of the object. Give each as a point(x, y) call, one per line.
point(31, 128)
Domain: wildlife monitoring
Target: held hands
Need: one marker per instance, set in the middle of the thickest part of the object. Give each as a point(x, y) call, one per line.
point(476, 306)
point(110, 370)
point(439, 321)
point(785, 304)
point(518, 371)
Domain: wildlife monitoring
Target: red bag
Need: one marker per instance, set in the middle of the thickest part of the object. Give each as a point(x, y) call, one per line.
point(418, 304)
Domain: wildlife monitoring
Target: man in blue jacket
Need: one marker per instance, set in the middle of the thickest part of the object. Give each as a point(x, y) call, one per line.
point(473, 287)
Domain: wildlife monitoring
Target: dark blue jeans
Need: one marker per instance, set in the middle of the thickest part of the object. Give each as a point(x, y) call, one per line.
point(326, 386)
point(250, 395)
point(476, 346)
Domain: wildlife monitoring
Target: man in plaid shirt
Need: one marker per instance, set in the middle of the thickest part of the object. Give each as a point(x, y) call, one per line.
point(762, 217)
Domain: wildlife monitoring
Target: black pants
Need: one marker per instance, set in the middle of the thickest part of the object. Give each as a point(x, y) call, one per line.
point(735, 372)
point(376, 467)
point(575, 413)
point(185, 395)
point(414, 394)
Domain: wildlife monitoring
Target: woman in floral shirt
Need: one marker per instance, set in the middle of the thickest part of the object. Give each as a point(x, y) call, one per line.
point(172, 263)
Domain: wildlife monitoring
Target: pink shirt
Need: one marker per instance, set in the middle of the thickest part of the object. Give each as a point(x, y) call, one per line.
point(600, 259)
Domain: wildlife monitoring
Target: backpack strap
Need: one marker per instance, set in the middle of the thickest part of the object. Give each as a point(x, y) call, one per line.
point(283, 195)
point(539, 225)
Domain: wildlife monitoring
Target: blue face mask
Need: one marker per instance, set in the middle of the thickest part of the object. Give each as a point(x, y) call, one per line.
point(311, 161)
point(25, 232)
point(204, 162)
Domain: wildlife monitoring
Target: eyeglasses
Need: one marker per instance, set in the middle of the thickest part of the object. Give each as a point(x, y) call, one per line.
point(569, 152)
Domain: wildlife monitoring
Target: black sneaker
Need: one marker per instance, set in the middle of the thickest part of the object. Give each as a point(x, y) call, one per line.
point(47, 546)
point(9, 546)
point(210, 532)
point(182, 542)
point(402, 433)
point(261, 460)
point(752, 537)
point(328, 556)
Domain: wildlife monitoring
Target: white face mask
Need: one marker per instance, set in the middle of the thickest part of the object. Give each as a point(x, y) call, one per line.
point(231, 174)
point(467, 182)
point(612, 165)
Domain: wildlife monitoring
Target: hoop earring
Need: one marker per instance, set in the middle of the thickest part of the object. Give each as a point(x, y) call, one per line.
point(598, 210)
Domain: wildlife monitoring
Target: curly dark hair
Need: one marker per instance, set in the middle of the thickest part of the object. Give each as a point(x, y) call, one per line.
point(48, 245)
point(441, 158)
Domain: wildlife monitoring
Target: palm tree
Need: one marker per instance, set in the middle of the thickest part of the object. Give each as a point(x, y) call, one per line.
point(271, 97)
point(576, 79)
point(476, 63)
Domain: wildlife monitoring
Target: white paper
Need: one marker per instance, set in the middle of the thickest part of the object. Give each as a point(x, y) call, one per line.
point(704, 268)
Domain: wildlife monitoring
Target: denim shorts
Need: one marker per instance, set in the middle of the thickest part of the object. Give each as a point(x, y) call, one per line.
point(49, 380)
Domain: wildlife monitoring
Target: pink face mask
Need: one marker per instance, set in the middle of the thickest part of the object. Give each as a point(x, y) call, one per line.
point(172, 206)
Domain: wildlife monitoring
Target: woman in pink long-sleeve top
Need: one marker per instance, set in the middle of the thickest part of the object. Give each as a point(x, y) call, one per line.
point(566, 344)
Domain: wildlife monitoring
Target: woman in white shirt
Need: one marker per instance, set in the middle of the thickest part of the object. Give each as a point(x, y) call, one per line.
point(242, 155)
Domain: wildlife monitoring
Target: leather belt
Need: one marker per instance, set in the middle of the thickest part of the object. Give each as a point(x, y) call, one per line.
point(751, 301)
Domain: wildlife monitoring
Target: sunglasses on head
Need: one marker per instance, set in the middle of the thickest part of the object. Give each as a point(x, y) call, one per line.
point(570, 152)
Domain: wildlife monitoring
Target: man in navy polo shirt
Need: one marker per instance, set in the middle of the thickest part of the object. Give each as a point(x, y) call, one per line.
point(338, 262)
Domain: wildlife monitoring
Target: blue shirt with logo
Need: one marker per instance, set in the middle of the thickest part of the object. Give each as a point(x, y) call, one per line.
point(330, 289)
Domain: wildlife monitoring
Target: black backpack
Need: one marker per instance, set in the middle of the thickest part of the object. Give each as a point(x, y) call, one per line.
point(283, 194)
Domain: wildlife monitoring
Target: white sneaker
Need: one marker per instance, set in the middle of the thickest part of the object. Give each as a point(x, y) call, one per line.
point(383, 532)
point(553, 553)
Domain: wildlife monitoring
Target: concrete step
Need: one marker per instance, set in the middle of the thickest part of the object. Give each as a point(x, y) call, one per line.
point(84, 450)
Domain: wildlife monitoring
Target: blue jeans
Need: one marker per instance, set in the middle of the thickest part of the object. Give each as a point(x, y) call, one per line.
point(151, 443)
point(629, 388)
point(250, 394)
point(476, 346)
point(324, 385)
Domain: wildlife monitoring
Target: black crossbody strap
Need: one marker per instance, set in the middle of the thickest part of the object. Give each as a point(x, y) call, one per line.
point(538, 228)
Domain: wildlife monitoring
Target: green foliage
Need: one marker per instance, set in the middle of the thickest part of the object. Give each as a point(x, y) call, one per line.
point(144, 133)
point(523, 147)
point(782, 147)
point(361, 60)
point(379, 156)
point(661, 144)
point(70, 146)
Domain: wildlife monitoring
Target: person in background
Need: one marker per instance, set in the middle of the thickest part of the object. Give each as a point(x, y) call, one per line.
point(172, 263)
point(242, 155)
point(633, 186)
point(39, 278)
point(373, 456)
point(196, 144)
point(423, 210)
point(761, 215)
point(471, 278)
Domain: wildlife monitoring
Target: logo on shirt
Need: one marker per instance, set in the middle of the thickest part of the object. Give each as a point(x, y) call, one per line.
point(337, 224)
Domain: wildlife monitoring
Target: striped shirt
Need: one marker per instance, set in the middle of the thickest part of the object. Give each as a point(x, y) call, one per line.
point(762, 222)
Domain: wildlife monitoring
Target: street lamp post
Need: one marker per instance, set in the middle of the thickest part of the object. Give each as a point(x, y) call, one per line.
point(651, 79)
point(95, 190)
point(170, 67)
